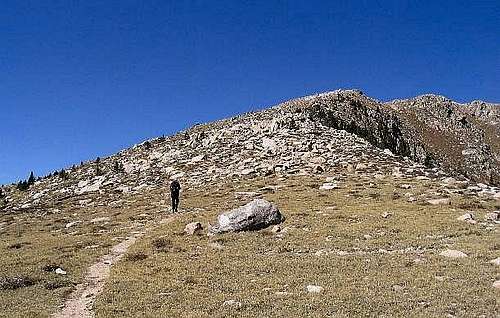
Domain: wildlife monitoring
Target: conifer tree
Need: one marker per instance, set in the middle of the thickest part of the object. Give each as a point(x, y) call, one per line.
point(31, 179)
point(97, 167)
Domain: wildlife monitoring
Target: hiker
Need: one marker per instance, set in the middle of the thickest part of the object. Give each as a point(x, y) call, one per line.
point(175, 188)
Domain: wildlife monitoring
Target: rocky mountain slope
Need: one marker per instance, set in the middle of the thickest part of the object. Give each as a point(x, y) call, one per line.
point(427, 137)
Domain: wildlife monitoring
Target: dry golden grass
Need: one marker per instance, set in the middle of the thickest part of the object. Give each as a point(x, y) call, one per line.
point(33, 246)
point(395, 271)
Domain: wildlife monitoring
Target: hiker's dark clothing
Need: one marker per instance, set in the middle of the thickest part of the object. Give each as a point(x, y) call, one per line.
point(175, 188)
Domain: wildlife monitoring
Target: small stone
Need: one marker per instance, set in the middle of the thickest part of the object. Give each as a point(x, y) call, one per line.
point(386, 215)
point(71, 224)
point(276, 229)
point(467, 217)
point(440, 278)
point(232, 303)
point(329, 186)
point(314, 289)
point(495, 261)
point(360, 167)
point(492, 216)
point(247, 171)
point(101, 219)
point(496, 284)
point(388, 152)
point(193, 228)
point(216, 245)
point(60, 271)
point(398, 288)
point(453, 254)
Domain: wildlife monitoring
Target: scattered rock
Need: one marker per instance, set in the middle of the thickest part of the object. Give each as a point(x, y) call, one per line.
point(193, 228)
point(255, 215)
point(100, 220)
point(232, 303)
point(247, 171)
point(492, 216)
point(386, 215)
point(71, 224)
point(216, 245)
point(398, 288)
point(60, 271)
point(453, 254)
point(495, 261)
point(329, 186)
point(314, 289)
point(467, 217)
point(276, 229)
point(360, 167)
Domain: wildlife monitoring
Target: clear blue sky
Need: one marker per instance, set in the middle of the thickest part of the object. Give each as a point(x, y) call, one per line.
point(81, 79)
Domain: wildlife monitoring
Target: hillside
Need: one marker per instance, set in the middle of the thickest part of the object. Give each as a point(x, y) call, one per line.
point(371, 193)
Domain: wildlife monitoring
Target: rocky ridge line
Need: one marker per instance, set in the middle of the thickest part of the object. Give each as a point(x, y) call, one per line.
point(339, 132)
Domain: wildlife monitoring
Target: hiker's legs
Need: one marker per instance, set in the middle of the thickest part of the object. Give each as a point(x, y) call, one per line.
point(173, 202)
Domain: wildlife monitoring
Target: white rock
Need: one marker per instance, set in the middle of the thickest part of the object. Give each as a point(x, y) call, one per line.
point(247, 171)
point(197, 158)
point(453, 254)
point(71, 224)
point(276, 229)
point(232, 303)
point(468, 152)
point(101, 219)
point(496, 284)
point(467, 217)
point(361, 166)
point(60, 271)
point(492, 216)
point(495, 261)
point(92, 187)
point(329, 186)
point(84, 202)
point(123, 189)
point(314, 289)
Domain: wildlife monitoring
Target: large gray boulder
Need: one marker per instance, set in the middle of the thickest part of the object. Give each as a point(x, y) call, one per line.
point(255, 215)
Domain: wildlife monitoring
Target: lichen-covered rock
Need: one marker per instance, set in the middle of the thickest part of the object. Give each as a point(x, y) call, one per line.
point(255, 215)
